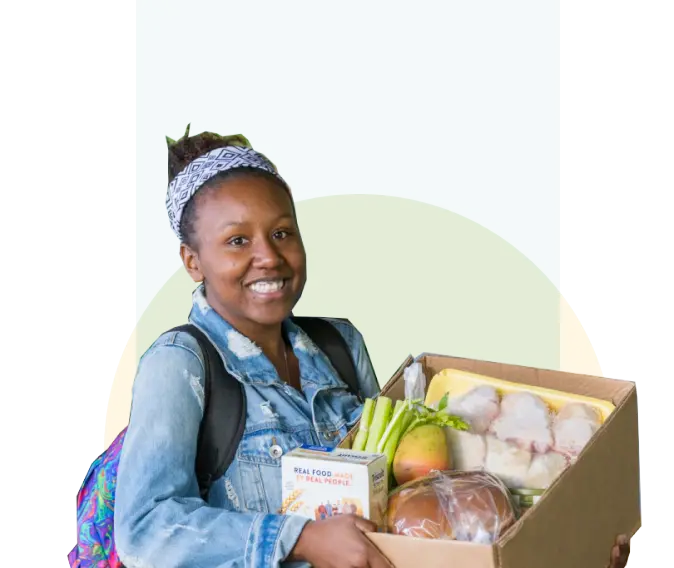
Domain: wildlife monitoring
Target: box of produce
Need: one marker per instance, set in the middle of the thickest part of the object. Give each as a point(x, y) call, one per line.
point(494, 465)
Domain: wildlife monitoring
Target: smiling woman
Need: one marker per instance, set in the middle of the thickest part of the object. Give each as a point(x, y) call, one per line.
point(242, 241)
point(239, 240)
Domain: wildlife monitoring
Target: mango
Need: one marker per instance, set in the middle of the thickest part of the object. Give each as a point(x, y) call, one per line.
point(420, 451)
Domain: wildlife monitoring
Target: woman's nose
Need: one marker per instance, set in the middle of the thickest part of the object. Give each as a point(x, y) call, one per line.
point(267, 255)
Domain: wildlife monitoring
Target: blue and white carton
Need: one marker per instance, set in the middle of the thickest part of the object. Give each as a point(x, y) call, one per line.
point(320, 482)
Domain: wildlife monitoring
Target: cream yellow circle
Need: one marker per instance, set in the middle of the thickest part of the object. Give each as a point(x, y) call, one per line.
point(413, 278)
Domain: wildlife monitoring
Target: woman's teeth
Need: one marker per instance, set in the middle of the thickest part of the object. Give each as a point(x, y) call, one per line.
point(267, 286)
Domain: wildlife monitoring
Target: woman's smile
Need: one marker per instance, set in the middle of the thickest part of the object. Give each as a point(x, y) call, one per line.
point(269, 289)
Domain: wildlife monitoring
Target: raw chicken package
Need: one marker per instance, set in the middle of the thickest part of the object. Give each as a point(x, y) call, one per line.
point(525, 436)
point(575, 436)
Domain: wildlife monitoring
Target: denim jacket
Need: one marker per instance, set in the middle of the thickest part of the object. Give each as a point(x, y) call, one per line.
point(160, 520)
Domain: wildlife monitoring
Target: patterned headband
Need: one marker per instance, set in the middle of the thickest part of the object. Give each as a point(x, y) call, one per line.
point(203, 168)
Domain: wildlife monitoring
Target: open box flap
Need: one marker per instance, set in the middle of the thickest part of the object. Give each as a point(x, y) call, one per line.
point(399, 372)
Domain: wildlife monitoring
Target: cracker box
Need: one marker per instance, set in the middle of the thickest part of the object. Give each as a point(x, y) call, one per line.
point(321, 482)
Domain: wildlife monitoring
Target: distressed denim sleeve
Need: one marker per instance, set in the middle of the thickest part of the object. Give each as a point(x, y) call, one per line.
point(160, 520)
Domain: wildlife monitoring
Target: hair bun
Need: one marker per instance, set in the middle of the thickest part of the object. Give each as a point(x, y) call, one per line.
point(188, 148)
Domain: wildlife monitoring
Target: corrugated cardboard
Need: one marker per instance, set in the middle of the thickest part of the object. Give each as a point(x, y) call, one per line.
point(576, 522)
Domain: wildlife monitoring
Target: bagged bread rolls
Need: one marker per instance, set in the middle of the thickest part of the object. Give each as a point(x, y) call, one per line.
point(466, 506)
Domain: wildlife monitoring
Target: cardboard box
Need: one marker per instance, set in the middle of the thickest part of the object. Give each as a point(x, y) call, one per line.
point(576, 521)
point(322, 482)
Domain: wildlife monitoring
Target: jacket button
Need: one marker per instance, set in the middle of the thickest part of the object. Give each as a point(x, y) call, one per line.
point(329, 435)
point(276, 451)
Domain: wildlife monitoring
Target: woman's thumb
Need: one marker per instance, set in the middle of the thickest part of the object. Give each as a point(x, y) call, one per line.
point(365, 525)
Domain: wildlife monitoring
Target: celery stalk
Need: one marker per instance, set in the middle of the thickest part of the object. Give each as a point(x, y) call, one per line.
point(412, 424)
point(382, 414)
point(408, 418)
point(391, 445)
point(364, 427)
point(398, 413)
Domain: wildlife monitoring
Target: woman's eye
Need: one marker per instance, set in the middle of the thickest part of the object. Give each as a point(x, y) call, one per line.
point(237, 241)
point(281, 234)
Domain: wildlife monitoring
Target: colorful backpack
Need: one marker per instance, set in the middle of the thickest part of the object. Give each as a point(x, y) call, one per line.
point(220, 432)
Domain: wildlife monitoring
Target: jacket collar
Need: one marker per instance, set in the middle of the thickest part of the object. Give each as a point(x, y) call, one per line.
point(246, 359)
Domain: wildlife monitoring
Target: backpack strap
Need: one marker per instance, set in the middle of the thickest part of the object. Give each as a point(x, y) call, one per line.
point(328, 339)
point(224, 417)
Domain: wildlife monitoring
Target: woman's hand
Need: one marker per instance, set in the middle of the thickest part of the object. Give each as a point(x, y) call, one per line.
point(339, 542)
point(620, 552)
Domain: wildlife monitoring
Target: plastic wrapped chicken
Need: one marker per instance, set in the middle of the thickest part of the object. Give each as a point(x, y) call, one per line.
point(478, 407)
point(573, 427)
point(544, 469)
point(522, 469)
point(525, 420)
point(468, 450)
point(518, 438)
point(507, 461)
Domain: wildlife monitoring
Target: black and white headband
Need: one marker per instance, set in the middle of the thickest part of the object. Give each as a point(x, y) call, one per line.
point(203, 168)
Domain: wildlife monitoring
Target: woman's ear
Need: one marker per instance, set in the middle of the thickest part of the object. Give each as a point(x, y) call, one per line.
point(191, 262)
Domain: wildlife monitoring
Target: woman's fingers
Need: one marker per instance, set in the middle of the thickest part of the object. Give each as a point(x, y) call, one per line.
point(365, 525)
point(375, 558)
point(620, 552)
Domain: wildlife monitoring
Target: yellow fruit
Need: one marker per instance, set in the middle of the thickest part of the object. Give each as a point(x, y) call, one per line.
point(421, 450)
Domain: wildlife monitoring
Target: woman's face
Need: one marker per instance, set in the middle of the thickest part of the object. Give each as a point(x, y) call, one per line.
point(249, 251)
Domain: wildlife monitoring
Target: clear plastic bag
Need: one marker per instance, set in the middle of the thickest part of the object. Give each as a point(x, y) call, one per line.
point(470, 506)
point(415, 382)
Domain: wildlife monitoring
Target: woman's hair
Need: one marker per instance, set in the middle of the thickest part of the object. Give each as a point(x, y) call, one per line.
point(187, 149)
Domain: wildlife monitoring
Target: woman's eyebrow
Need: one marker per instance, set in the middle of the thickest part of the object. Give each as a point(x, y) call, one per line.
point(226, 224)
point(284, 217)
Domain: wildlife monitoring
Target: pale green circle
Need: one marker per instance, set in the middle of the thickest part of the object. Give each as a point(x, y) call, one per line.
point(412, 277)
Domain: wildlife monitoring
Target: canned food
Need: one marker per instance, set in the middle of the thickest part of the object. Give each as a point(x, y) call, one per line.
point(526, 498)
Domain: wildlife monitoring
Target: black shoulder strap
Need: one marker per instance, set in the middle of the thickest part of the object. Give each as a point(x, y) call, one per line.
point(224, 416)
point(328, 339)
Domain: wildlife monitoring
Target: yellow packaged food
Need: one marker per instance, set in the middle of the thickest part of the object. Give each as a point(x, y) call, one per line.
point(456, 383)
